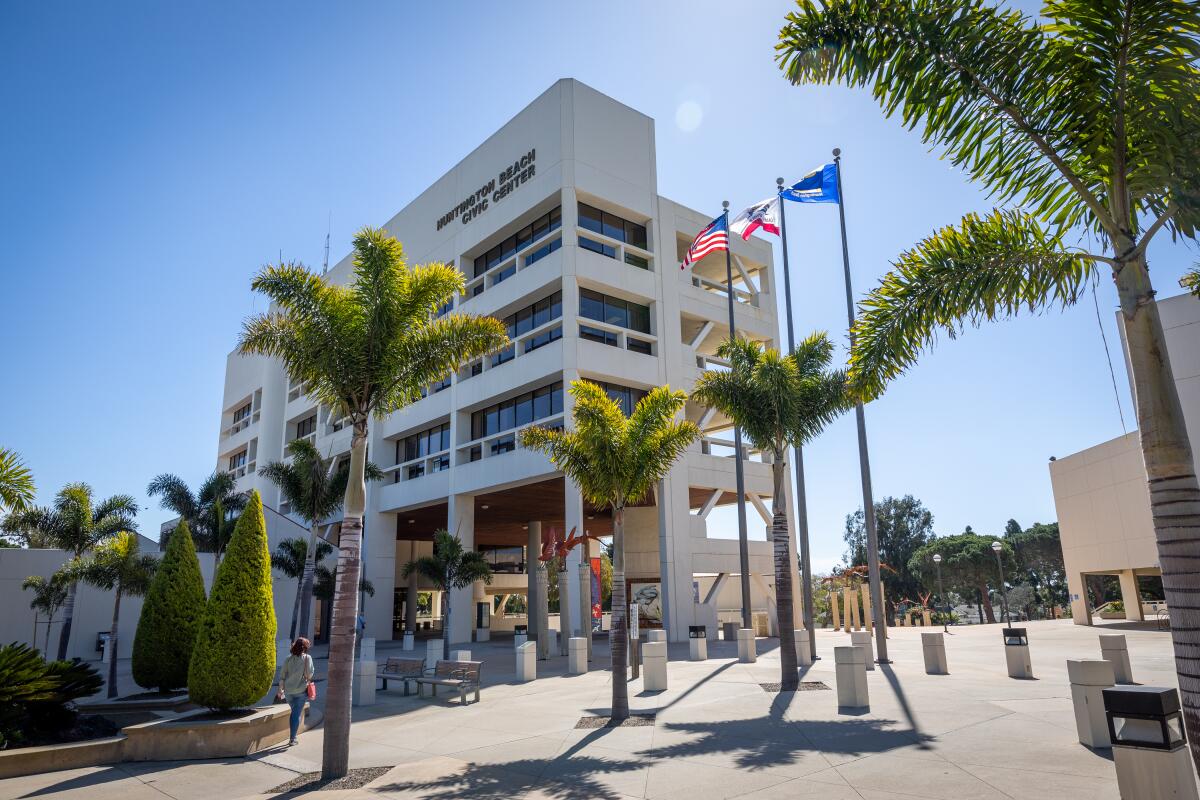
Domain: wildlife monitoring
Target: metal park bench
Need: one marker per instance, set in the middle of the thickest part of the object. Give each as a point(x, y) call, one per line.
point(401, 669)
point(461, 676)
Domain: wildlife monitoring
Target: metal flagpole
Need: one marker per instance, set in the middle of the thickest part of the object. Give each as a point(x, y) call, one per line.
point(743, 541)
point(801, 498)
point(864, 463)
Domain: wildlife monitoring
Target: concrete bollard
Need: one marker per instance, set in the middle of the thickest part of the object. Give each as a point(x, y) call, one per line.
point(433, 652)
point(1089, 678)
point(1114, 649)
point(409, 640)
point(363, 693)
point(803, 648)
point(520, 635)
point(551, 642)
point(747, 654)
point(933, 645)
point(1149, 745)
point(460, 655)
point(864, 639)
point(697, 643)
point(656, 635)
point(729, 631)
point(483, 634)
point(654, 666)
point(850, 664)
point(577, 653)
point(527, 662)
point(1016, 653)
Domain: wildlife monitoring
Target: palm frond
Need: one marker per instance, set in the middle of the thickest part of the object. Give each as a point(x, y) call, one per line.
point(16, 483)
point(175, 494)
point(1191, 280)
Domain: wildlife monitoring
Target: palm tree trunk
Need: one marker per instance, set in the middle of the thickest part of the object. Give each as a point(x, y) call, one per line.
point(64, 635)
point(985, 603)
point(1171, 472)
point(446, 624)
point(49, 623)
point(335, 756)
point(112, 646)
point(619, 635)
point(784, 612)
point(306, 583)
point(296, 609)
point(33, 640)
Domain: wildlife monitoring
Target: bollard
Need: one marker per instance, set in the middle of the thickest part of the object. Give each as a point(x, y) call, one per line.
point(1149, 743)
point(483, 634)
point(1016, 653)
point(527, 662)
point(850, 664)
point(577, 655)
point(803, 648)
point(864, 639)
point(747, 654)
point(409, 638)
point(933, 645)
point(697, 643)
point(656, 635)
point(363, 685)
point(551, 642)
point(433, 653)
point(520, 635)
point(1089, 678)
point(460, 655)
point(654, 666)
point(1114, 649)
point(729, 631)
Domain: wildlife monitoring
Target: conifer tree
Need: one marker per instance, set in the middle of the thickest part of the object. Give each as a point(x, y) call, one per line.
point(166, 631)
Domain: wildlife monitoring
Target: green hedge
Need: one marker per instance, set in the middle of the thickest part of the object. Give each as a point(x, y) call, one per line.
point(166, 631)
point(233, 662)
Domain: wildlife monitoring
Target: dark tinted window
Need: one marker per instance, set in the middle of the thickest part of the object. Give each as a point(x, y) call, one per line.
point(591, 218)
point(637, 345)
point(597, 247)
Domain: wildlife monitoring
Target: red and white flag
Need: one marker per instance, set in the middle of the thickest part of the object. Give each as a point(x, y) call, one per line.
point(764, 215)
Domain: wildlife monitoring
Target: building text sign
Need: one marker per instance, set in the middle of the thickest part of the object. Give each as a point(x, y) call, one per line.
point(491, 192)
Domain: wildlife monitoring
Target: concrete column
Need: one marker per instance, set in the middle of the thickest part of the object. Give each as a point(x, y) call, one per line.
point(851, 677)
point(413, 589)
point(461, 522)
point(379, 567)
point(1077, 591)
point(654, 666)
point(933, 647)
point(1089, 678)
point(674, 525)
point(568, 596)
point(1130, 596)
point(834, 610)
point(866, 641)
point(533, 549)
point(526, 662)
point(866, 600)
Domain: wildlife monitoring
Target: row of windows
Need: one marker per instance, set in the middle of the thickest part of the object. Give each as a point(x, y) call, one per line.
point(521, 410)
point(507, 248)
point(612, 340)
point(612, 226)
point(611, 252)
point(306, 426)
point(527, 319)
point(614, 311)
point(241, 413)
point(625, 396)
point(427, 442)
point(237, 460)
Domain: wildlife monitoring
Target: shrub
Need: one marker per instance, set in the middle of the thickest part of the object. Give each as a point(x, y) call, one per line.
point(233, 661)
point(166, 631)
point(36, 697)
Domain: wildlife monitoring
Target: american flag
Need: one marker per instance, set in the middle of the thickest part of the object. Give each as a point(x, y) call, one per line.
point(714, 238)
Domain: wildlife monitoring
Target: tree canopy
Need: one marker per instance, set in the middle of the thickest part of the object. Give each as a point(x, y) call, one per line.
point(903, 525)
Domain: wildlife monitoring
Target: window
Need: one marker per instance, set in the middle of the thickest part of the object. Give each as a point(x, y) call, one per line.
point(237, 461)
point(636, 261)
point(444, 383)
point(525, 236)
point(625, 396)
point(521, 410)
point(241, 414)
point(614, 311)
point(427, 442)
point(306, 426)
point(527, 319)
point(543, 251)
point(542, 339)
point(596, 247)
point(445, 309)
point(638, 345)
point(612, 226)
point(598, 335)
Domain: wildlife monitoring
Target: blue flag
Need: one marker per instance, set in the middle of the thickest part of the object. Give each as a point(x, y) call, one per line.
point(818, 186)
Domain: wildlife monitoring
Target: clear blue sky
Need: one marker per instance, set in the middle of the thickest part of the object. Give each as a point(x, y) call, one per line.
point(155, 155)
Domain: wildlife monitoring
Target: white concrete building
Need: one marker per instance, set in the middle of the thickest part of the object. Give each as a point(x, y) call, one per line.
point(558, 226)
point(1101, 493)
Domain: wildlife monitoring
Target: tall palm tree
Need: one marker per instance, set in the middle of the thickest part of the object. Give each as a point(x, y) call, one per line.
point(49, 594)
point(364, 350)
point(451, 566)
point(1085, 123)
point(16, 483)
point(616, 461)
point(116, 565)
point(211, 512)
point(75, 525)
point(778, 401)
point(314, 488)
point(324, 583)
point(296, 559)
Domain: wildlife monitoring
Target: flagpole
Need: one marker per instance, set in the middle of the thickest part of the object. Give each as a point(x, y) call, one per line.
point(743, 540)
point(864, 462)
point(801, 495)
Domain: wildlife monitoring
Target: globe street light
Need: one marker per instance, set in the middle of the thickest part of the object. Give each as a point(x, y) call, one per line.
point(996, 548)
point(937, 562)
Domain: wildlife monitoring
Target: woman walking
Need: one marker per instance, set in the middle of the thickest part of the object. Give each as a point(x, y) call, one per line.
point(295, 683)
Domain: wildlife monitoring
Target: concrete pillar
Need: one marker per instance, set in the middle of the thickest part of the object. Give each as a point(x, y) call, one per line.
point(1131, 598)
point(1089, 678)
point(542, 629)
point(851, 670)
point(568, 595)
point(433, 652)
point(654, 666)
point(866, 641)
point(834, 611)
point(577, 663)
point(526, 662)
point(435, 604)
point(412, 590)
point(803, 648)
point(461, 522)
point(533, 549)
point(747, 654)
point(460, 655)
point(852, 604)
point(585, 600)
point(1077, 591)
point(933, 647)
point(379, 567)
point(656, 635)
point(566, 609)
point(1114, 650)
point(697, 643)
point(866, 601)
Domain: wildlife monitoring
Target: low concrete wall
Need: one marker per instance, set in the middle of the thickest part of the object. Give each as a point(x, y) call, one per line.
point(54, 757)
point(188, 738)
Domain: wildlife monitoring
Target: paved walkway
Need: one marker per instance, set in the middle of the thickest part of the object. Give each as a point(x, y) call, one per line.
point(974, 733)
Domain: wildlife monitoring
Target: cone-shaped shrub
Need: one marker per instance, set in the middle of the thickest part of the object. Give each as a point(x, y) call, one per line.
point(233, 662)
point(174, 604)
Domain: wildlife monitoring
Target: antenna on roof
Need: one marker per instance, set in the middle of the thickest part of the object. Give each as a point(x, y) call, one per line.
point(328, 225)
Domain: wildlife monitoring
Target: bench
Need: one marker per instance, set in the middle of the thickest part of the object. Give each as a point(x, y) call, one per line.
point(462, 676)
point(401, 669)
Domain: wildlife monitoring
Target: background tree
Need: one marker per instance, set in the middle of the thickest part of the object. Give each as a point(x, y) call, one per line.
point(365, 349)
point(166, 630)
point(615, 461)
point(903, 526)
point(1039, 557)
point(292, 558)
point(211, 512)
point(968, 566)
point(16, 483)
point(450, 567)
point(49, 594)
point(1084, 123)
point(233, 660)
point(1191, 280)
point(779, 401)
point(75, 525)
point(115, 566)
point(314, 488)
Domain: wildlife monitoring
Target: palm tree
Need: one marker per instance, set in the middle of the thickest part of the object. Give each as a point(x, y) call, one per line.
point(778, 401)
point(115, 565)
point(616, 461)
point(49, 594)
point(450, 567)
point(365, 349)
point(211, 512)
point(1085, 123)
point(324, 584)
point(1191, 280)
point(75, 525)
point(314, 488)
point(16, 483)
point(291, 557)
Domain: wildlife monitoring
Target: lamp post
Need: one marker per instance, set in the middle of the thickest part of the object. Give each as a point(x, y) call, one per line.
point(996, 548)
point(937, 562)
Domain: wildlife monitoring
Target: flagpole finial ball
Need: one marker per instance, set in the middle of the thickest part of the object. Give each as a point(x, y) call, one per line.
point(725, 204)
point(779, 181)
point(837, 151)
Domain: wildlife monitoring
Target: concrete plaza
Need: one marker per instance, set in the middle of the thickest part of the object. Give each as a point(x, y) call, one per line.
point(973, 733)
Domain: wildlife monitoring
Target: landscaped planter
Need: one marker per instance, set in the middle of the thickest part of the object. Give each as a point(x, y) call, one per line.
point(201, 735)
point(52, 757)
